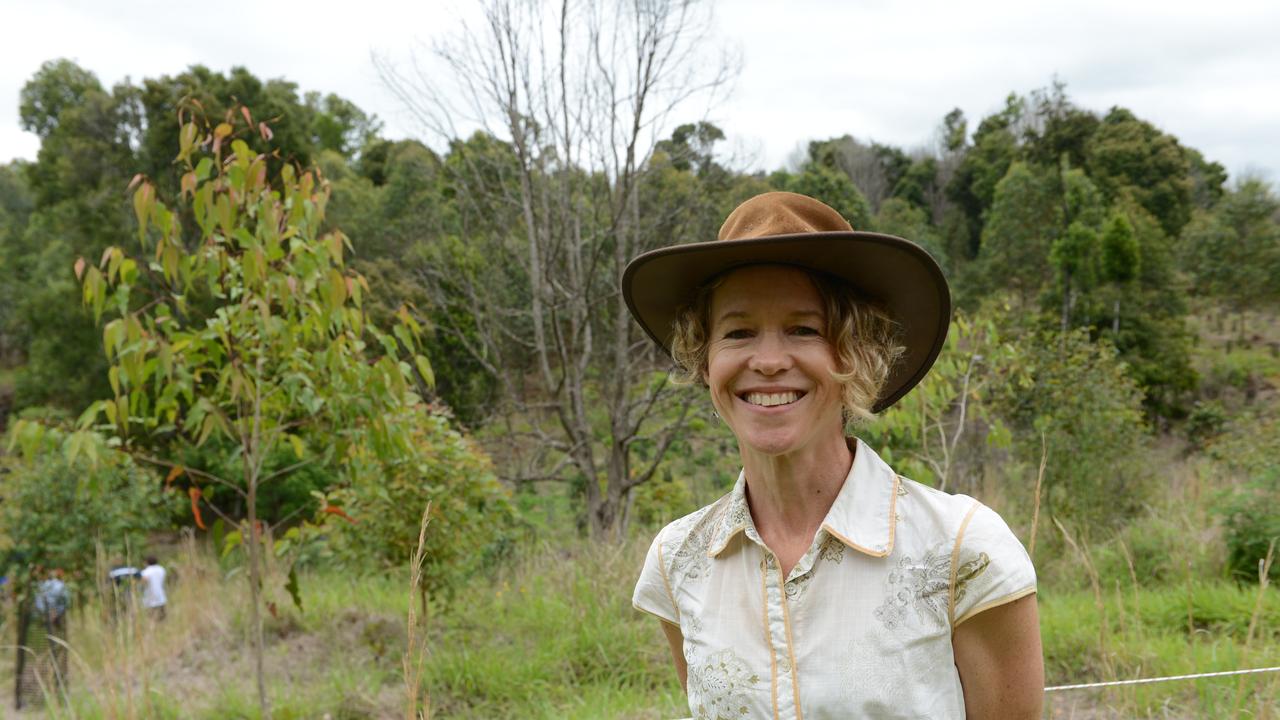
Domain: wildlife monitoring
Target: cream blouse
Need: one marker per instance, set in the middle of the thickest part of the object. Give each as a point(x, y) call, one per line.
point(862, 625)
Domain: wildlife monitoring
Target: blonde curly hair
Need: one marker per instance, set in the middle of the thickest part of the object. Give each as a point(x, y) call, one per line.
point(864, 337)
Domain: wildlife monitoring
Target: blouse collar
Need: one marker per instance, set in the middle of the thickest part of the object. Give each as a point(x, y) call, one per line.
point(862, 517)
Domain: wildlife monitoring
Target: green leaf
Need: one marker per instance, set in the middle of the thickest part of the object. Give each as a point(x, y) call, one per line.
point(241, 149)
point(128, 271)
point(337, 289)
point(231, 541)
point(402, 333)
point(424, 369)
point(143, 197)
point(186, 138)
point(292, 587)
point(203, 168)
point(298, 448)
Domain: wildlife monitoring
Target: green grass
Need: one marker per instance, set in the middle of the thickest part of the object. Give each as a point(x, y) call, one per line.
point(553, 635)
point(1162, 631)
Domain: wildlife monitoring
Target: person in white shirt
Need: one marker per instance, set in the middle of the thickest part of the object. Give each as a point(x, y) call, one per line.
point(153, 597)
point(825, 585)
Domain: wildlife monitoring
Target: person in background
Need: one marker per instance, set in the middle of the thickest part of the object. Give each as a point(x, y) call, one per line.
point(121, 587)
point(52, 599)
point(153, 597)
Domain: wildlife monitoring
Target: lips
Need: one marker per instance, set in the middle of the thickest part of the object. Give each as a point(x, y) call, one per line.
point(771, 399)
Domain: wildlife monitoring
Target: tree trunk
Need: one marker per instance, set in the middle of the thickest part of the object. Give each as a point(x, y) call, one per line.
point(1115, 319)
point(255, 592)
point(1066, 303)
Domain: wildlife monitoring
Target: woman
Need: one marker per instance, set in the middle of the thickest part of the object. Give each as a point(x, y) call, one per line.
point(824, 585)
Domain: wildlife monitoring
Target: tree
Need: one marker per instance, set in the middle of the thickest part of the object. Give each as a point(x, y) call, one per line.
point(76, 208)
point(1075, 251)
point(92, 141)
point(1074, 255)
point(901, 218)
point(57, 86)
point(874, 169)
point(1233, 252)
point(1120, 259)
point(835, 189)
point(1024, 220)
point(251, 329)
point(15, 212)
point(570, 102)
point(1128, 155)
point(1061, 130)
point(995, 147)
point(337, 124)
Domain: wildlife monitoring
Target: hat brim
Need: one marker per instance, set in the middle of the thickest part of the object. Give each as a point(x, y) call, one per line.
point(897, 274)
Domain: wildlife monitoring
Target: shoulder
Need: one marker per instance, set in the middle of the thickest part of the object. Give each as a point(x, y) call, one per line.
point(936, 516)
point(695, 528)
point(923, 507)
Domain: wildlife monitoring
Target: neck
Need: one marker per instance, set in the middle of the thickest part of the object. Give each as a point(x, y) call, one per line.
point(789, 495)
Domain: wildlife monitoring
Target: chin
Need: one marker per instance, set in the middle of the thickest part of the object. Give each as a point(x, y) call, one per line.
point(770, 443)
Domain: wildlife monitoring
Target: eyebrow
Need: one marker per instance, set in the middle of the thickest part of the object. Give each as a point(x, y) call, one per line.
point(735, 314)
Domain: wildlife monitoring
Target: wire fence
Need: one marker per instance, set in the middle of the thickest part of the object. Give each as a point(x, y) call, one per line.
point(1167, 678)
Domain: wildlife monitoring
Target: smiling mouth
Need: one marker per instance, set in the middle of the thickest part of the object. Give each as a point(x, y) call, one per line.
point(771, 399)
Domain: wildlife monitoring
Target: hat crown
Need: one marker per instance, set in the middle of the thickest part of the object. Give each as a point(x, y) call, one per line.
point(781, 213)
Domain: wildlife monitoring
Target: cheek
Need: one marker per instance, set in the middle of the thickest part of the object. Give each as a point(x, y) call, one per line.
point(717, 376)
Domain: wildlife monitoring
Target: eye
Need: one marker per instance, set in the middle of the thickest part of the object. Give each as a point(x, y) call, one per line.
point(806, 330)
point(737, 334)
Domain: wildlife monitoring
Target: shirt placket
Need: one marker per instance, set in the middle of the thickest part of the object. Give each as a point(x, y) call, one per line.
point(777, 628)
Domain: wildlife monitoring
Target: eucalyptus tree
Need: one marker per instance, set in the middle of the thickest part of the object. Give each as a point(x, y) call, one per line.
point(248, 326)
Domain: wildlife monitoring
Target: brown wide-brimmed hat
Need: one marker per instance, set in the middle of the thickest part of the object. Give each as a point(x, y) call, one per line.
point(782, 228)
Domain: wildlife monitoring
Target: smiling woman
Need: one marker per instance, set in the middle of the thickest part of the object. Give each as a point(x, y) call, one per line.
point(824, 584)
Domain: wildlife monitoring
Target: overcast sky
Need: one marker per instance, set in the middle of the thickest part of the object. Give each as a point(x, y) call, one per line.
point(1208, 72)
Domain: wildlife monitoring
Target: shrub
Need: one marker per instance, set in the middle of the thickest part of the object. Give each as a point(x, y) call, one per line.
point(472, 522)
point(56, 511)
point(1205, 422)
point(1249, 449)
point(1252, 524)
point(1078, 394)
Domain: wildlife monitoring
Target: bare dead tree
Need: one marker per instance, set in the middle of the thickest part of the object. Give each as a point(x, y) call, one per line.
point(551, 112)
point(861, 163)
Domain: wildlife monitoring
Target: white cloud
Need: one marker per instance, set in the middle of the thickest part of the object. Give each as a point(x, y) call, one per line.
point(880, 70)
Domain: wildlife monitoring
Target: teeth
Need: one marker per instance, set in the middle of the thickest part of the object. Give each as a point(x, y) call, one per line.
point(771, 399)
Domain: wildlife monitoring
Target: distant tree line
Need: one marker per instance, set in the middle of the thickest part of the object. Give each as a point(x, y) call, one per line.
point(507, 243)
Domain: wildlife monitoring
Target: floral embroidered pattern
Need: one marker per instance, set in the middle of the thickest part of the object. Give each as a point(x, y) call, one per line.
point(968, 572)
point(918, 585)
point(719, 689)
point(692, 626)
point(734, 517)
point(690, 557)
point(832, 550)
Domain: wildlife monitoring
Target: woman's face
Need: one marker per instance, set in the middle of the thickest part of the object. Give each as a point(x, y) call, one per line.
point(769, 365)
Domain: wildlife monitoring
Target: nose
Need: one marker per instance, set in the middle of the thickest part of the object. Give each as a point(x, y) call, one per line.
point(771, 355)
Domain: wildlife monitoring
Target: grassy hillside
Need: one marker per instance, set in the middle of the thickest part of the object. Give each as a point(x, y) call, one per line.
point(553, 636)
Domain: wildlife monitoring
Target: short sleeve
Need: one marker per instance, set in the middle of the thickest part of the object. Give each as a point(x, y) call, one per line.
point(990, 566)
point(653, 590)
